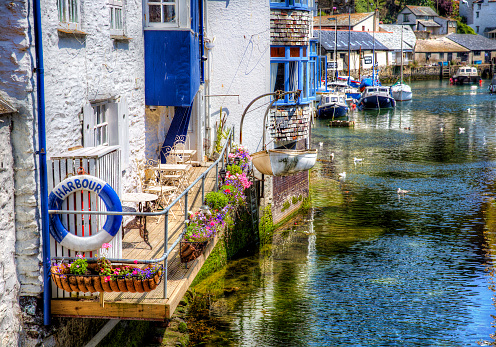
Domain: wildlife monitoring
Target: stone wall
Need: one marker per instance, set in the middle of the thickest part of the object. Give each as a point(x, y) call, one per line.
point(9, 285)
point(289, 28)
point(288, 192)
point(290, 123)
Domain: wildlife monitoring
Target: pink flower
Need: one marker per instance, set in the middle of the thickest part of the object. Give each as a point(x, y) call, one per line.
point(107, 278)
point(80, 256)
point(136, 262)
point(106, 245)
point(135, 272)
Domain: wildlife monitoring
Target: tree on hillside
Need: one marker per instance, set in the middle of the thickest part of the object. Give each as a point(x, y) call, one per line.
point(444, 7)
point(463, 28)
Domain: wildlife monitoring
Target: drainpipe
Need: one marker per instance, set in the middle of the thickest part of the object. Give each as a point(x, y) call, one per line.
point(40, 93)
point(202, 48)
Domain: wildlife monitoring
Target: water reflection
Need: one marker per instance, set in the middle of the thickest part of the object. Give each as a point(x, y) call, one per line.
point(369, 266)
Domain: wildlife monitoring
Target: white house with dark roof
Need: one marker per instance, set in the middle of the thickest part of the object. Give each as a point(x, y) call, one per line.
point(355, 21)
point(390, 36)
point(480, 15)
point(419, 18)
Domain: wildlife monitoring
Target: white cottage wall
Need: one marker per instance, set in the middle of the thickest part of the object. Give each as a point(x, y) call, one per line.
point(80, 69)
point(240, 64)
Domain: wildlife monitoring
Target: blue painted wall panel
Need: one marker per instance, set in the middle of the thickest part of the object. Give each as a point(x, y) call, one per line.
point(172, 71)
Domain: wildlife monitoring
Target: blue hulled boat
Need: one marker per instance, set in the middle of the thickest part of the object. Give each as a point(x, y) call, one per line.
point(376, 98)
point(332, 106)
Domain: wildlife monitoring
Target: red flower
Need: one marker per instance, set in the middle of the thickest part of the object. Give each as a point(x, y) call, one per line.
point(227, 191)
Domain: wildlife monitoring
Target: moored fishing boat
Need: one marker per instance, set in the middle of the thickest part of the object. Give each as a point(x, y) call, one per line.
point(401, 92)
point(332, 106)
point(466, 75)
point(376, 98)
point(492, 86)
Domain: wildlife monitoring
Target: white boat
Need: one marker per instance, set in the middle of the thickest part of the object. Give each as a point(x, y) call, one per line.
point(401, 92)
point(466, 75)
point(284, 162)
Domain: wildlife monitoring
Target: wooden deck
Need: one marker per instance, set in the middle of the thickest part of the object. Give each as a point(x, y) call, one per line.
point(157, 304)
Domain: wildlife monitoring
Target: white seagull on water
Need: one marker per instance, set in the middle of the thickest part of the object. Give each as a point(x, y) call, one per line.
point(461, 130)
point(357, 160)
point(402, 191)
point(342, 175)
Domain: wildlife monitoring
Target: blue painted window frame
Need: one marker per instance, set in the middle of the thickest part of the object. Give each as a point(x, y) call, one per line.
point(320, 67)
point(304, 69)
point(292, 4)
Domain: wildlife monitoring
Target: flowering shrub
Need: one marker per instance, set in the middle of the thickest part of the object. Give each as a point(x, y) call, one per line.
point(203, 225)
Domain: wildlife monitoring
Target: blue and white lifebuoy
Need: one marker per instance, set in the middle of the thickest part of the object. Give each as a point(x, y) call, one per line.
point(105, 192)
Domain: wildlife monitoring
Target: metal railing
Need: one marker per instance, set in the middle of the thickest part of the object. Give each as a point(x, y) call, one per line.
point(222, 160)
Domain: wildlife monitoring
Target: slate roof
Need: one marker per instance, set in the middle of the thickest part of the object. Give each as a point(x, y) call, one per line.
point(428, 23)
point(473, 42)
point(5, 107)
point(437, 45)
point(422, 10)
point(391, 38)
point(342, 19)
point(358, 39)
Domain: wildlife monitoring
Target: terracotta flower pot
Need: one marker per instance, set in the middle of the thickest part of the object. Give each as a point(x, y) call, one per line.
point(189, 251)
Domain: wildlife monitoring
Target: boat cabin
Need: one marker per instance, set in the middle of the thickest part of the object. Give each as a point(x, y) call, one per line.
point(332, 99)
point(376, 90)
point(467, 71)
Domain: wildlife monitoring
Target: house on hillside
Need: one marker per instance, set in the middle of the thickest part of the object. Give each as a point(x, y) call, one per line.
point(440, 49)
point(482, 49)
point(447, 25)
point(419, 18)
point(390, 36)
point(361, 49)
point(480, 15)
point(355, 21)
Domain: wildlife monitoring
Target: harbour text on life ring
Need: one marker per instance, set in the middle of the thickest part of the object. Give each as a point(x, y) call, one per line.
point(105, 192)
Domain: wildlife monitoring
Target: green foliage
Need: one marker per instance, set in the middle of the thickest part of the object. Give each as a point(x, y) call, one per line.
point(79, 266)
point(464, 29)
point(127, 333)
point(216, 200)
point(295, 199)
point(266, 226)
point(233, 169)
point(233, 194)
point(285, 206)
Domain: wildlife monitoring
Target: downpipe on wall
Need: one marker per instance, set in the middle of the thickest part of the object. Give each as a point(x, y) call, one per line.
point(40, 93)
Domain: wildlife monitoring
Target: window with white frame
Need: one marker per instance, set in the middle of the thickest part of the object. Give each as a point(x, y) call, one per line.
point(69, 14)
point(105, 123)
point(168, 13)
point(100, 133)
point(405, 17)
point(116, 9)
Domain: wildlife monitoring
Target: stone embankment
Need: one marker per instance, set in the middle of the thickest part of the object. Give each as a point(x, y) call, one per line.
point(411, 72)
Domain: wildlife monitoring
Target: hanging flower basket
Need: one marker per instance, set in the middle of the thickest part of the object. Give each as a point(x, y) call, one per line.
point(189, 250)
point(147, 279)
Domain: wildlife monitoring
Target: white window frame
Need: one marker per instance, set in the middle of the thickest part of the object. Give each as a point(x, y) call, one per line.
point(117, 126)
point(183, 14)
point(69, 14)
point(101, 126)
point(115, 7)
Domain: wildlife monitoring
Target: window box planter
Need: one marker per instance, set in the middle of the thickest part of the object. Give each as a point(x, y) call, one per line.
point(99, 283)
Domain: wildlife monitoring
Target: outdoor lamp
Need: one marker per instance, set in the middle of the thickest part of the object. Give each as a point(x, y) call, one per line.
point(236, 160)
point(222, 174)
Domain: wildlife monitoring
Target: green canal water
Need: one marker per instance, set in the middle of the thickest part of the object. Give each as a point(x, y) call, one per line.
point(369, 267)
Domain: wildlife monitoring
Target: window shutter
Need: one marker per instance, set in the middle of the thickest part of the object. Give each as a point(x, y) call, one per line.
point(113, 127)
point(88, 126)
point(123, 123)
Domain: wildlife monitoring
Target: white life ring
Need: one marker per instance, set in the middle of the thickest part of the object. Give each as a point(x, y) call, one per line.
point(105, 192)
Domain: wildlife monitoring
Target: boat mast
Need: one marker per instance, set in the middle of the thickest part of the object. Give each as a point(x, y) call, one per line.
point(349, 43)
point(401, 78)
point(373, 52)
point(335, 48)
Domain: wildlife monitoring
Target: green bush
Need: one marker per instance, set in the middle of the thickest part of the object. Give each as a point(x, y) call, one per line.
point(285, 206)
point(216, 200)
point(233, 169)
point(235, 196)
point(464, 29)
